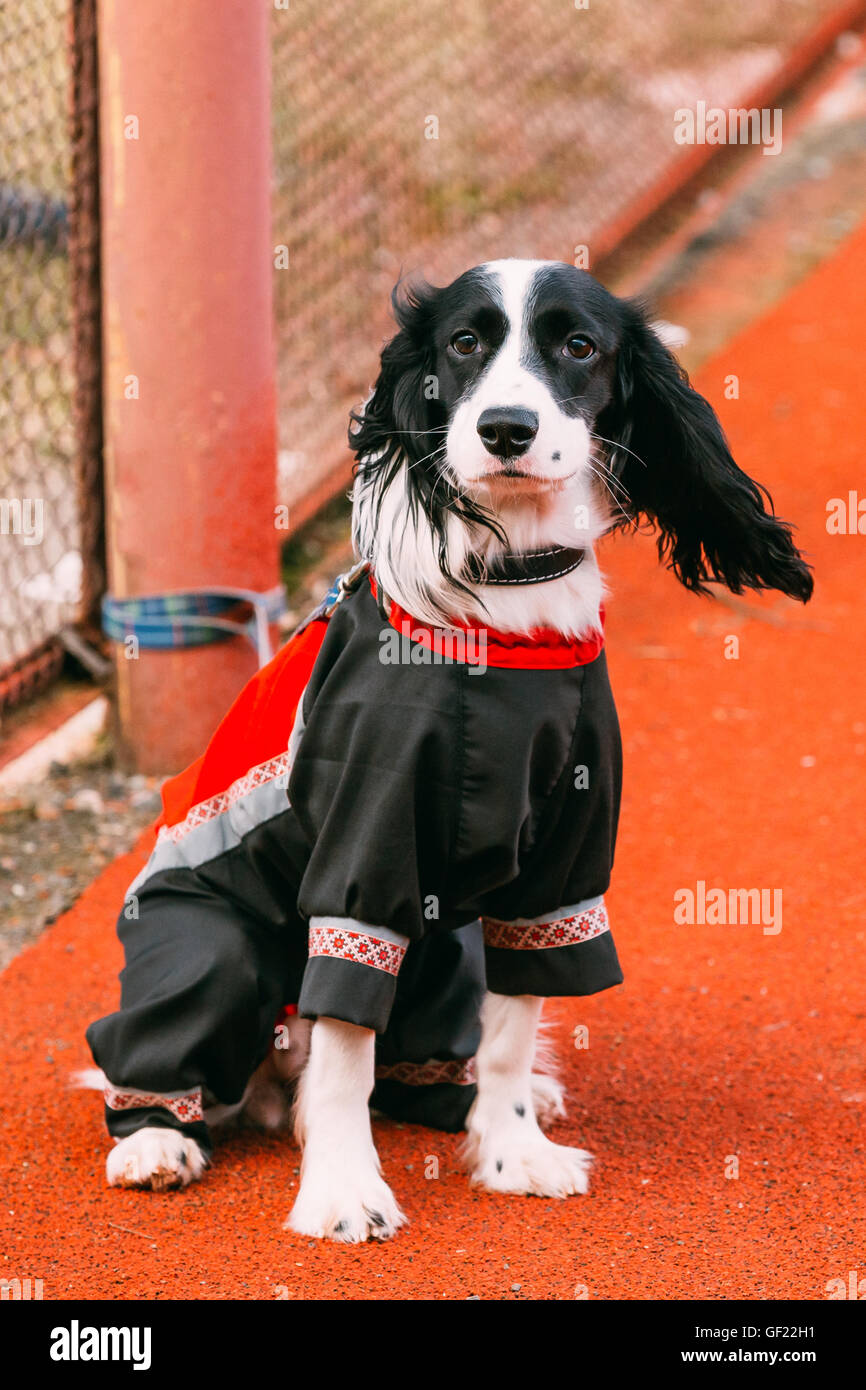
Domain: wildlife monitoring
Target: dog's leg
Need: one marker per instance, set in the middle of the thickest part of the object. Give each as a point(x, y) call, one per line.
point(343, 1195)
point(505, 1148)
point(548, 1092)
point(156, 1158)
point(267, 1101)
point(548, 1098)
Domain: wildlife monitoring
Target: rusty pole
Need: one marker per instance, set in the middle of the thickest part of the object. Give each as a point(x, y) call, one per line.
point(189, 386)
point(85, 286)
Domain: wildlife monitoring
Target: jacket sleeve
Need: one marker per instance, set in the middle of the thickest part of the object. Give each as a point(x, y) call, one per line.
point(371, 789)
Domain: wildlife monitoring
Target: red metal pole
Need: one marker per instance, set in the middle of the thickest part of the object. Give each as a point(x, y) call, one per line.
point(188, 341)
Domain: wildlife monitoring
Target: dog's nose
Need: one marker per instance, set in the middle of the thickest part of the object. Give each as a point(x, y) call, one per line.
point(507, 432)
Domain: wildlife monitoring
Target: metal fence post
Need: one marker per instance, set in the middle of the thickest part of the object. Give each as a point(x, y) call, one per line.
point(86, 313)
point(189, 394)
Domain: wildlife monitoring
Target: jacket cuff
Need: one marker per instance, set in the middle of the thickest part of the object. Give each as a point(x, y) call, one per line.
point(563, 953)
point(351, 972)
point(128, 1110)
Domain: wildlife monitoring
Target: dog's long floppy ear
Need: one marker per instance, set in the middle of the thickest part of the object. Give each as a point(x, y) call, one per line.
point(714, 522)
point(403, 426)
point(402, 415)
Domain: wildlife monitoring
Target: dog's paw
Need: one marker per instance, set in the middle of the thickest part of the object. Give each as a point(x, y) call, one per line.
point(350, 1208)
point(533, 1165)
point(548, 1099)
point(155, 1158)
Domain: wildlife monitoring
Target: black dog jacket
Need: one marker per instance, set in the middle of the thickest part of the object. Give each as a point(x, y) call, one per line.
point(390, 819)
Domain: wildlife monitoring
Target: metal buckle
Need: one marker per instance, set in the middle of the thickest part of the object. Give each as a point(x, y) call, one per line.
point(346, 584)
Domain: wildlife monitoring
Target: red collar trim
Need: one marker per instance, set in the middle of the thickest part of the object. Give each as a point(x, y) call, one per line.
point(542, 649)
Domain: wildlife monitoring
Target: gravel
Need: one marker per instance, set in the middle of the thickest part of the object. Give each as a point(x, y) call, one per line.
point(58, 834)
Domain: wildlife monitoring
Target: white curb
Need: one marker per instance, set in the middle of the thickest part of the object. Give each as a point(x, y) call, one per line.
point(71, 741)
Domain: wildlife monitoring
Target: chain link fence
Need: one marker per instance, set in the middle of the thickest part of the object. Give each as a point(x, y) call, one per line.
point(406, 138)
point(432, 137)
point(48, 355)
point(38, 521)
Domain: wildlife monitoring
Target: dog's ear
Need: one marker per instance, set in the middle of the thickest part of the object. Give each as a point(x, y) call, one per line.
point(402, 415)
point(403, 426)
point(714, 522)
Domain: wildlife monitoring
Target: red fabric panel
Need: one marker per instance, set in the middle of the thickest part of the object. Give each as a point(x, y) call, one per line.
point(256, 728)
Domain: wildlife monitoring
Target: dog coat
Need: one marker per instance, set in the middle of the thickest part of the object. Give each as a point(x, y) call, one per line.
point(390, 819)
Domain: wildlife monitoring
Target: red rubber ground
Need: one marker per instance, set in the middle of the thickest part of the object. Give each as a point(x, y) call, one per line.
point(723, 1042)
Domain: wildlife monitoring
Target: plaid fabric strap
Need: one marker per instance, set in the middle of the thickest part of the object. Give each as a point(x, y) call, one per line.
point(193, 617)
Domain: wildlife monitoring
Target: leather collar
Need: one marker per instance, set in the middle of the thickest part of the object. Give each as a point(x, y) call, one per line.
point(525, 567)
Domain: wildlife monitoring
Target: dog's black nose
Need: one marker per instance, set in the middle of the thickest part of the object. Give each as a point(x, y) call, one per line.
point(507, 432)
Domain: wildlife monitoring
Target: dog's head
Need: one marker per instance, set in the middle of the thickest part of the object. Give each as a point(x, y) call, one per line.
point(524, 379)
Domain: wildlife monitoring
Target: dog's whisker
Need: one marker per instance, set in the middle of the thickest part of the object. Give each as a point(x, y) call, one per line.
point(615, 443)
point(613, 495)
point(435, 429)
point(618, 491)
point(440, 449)
point(442, 478)
point(608, 477)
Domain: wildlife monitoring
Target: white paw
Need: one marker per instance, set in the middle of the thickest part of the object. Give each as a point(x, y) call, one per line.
point(532, 1165)
point(156, 1158)
point(548, 1099)
point(344, 1206)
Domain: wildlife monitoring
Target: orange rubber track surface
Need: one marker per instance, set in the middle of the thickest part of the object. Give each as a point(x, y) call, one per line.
point(725, 1043)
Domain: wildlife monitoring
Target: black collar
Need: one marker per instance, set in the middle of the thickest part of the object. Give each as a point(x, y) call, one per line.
point(528, 567)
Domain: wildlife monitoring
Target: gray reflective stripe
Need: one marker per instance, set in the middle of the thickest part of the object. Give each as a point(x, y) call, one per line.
point(352, 924)
point(573, 911)
point(218, 834)
point(224, 829)
point(298, 727)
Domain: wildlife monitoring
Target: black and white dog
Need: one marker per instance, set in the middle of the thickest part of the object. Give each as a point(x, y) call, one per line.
point(524, 406)
point(520, 413)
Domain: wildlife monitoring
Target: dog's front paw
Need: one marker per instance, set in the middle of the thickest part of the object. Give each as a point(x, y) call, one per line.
point(344, 1206)
point(531, 1165)
point(155, 1158)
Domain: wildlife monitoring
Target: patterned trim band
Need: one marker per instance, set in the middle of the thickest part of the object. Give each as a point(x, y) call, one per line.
point(542, 936)
point(186, 1107)
point(432, 1073)
point(216, 805)
point(362, 947)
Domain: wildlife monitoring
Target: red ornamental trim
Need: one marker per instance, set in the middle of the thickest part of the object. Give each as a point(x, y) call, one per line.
point(542, 936)
point(187, 1108)
point(432, 1073)
point(357, 946)
point(216, 805)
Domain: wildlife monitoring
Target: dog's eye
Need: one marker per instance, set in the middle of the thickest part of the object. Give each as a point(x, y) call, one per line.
point(464, 342)
point(579, 347)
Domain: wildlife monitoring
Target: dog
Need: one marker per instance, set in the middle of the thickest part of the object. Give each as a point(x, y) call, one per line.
point(520, 413)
